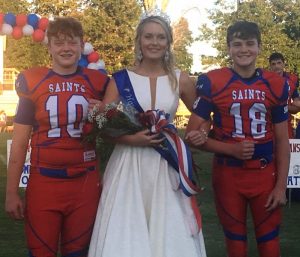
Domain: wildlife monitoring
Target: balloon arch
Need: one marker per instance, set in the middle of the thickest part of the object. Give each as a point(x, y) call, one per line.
point(32, 25)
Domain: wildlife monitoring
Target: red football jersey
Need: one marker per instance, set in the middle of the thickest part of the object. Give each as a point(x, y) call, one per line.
point(243, 109)
point(56, 106)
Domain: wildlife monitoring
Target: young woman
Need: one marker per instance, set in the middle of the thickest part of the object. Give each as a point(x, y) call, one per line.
point(142, 212)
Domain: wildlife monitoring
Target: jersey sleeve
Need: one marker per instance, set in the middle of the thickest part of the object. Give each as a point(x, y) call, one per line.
point(25, 109)
point(280, 110)
point(203, 105)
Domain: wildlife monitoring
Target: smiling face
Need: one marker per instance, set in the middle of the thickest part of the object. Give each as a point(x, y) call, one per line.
point(243, 53)
point(65, 51)
point(153, 41)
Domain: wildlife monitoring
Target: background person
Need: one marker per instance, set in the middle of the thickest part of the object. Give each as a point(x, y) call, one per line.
point(277, 64)
point(3, 119)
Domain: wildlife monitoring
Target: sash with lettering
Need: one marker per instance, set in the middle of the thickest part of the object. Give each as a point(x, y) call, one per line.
point(174, 149)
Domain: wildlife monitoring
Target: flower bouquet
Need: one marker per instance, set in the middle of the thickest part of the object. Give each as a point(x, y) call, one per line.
point(114, 121)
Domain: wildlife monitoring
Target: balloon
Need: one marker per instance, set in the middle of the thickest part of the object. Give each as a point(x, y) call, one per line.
point(6, 29)
point(28, 30)
point(10, 19)
point(43, 23)
point(33, 19)
point(93, 57)
point(38, 35)
point(1, 18)
point(83, 62)
point(88, 48)
point(21, 20)
point(100, 64)
point(93, 66)
point(17, 32)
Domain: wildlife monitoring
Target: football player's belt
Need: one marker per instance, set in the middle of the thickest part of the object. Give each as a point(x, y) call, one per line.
point(263, 155)
point(260, 163)
point(65, 172)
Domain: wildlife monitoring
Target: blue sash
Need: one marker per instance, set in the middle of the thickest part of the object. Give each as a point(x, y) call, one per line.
point(175, 152)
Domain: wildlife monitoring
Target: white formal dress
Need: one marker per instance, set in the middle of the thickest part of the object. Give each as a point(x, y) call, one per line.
point(141, 212)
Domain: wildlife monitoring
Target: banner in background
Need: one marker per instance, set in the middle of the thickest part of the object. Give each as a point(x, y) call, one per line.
point(293, 180)
point(26, 168)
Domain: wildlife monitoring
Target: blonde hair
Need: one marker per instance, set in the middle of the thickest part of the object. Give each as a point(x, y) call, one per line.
point(168, 63)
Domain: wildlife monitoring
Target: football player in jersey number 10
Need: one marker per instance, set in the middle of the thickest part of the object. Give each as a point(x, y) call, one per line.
point(64, 186)
point(249, 139)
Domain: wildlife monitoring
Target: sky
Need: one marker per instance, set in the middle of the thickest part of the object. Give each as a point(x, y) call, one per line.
point(195, 11)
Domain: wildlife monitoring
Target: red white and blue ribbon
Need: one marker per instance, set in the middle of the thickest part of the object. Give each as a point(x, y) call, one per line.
point(173, 149)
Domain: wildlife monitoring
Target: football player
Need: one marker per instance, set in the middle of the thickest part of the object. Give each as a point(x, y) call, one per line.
point(250, 142)
point(277, 64)
point(64, 185)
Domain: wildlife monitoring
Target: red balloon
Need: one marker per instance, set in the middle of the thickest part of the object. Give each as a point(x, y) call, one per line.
point(93, 57)
point(21, 20)
point(1, 18)
point(38, 35)
point(43, 23)
point(17, 32)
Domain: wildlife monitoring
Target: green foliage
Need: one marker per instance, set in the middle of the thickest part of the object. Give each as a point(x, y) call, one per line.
point(182, 40)
point(279, 23)
point(110, 26)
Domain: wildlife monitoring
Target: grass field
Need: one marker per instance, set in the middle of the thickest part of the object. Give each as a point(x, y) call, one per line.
point(12, 241)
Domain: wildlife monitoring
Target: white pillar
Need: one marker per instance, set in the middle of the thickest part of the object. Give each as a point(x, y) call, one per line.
point(2, 48)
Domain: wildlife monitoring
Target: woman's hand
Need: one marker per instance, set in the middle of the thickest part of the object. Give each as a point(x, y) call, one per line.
point(142, 138)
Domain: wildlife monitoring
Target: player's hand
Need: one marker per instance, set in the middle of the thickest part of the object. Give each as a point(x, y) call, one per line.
point(196, 137)
point(14, 206)
point(276, 198)
point(144, 138)
point(243, 150)
point(92, 103)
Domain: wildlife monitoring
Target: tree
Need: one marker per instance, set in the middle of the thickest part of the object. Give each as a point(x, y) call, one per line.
point(110, 26)
point(22, 53)
point(274, 19)
point(182, 40)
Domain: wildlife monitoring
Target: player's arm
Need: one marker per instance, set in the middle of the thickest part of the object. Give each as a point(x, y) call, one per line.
point(187, 90)
point(14, 205)
point(200, 121)
point(282, 157)
point(242, 150)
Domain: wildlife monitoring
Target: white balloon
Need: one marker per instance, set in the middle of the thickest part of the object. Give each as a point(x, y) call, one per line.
point(93, 66)
point(45, 41)
point(6, 29)
point(100, 64)
point(88, 48)
point(28, 30)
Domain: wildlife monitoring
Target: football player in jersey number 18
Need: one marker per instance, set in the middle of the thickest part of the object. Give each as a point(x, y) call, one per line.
point(249, 139)
point(64, 186)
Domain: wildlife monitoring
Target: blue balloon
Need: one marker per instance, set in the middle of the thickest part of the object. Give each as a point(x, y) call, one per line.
point(83, 62)
point(33, 20)
point(10, 19)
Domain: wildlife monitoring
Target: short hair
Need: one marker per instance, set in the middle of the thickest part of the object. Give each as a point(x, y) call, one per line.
point(276, 56)
point(243, 30)
point(66, 26)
